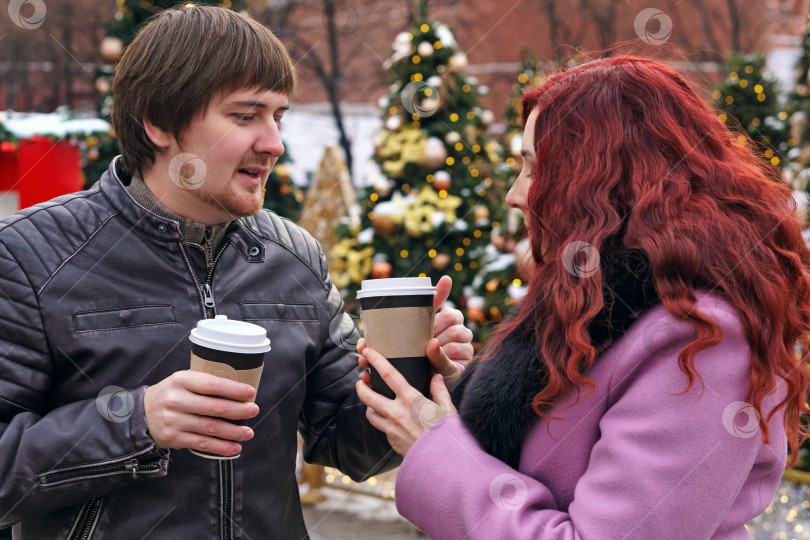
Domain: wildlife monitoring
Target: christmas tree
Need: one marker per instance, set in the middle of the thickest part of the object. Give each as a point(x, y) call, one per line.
point(507, 263)
point(799, 103)
point(131, 14)
point(329, 198)
point(750, 97)
point(431, 204)
point(282, 196)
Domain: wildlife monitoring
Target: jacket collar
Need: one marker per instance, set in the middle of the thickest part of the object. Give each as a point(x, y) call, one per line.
point(113, 185)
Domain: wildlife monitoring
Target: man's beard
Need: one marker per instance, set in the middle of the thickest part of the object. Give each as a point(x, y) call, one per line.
point(236, 207)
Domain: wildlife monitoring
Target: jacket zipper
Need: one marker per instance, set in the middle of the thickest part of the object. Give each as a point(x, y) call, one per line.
point(87, 520)
point(226, 519)
point(224, 465)
point(133, 465)
point(208, 294)
point(205, 288)
point(225, 475)
point(209, 249)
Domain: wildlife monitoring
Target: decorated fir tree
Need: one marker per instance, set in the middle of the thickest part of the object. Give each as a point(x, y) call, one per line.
point(798, 105)
point(750, 97)
point(507, 264)
point(131, 14)
point(282, 196)
point(430, 207)
point(330, 197)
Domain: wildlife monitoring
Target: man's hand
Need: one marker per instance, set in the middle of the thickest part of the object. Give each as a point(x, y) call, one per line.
point(186, 410)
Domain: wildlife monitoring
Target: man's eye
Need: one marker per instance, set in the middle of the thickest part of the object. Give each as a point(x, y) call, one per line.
point(243, 117)
point(279, 124)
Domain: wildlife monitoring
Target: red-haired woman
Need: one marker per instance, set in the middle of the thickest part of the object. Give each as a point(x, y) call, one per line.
point(648, 385)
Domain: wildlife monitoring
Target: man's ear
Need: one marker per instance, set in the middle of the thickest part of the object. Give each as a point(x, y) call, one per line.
point(159, 137)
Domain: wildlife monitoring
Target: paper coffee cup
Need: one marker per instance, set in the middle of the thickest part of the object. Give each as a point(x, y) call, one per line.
point(398, 316)
point(231, 349)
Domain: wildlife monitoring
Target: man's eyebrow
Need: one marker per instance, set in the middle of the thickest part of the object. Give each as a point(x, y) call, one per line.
point(257, 105)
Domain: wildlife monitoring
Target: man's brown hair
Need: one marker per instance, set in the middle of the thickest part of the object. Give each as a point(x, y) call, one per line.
point(178, 61)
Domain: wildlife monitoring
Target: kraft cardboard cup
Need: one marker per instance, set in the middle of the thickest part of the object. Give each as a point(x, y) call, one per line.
point(398, 316)
point(231, 349)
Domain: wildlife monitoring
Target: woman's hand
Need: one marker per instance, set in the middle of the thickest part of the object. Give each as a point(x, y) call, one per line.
point(406, 417)
point(450, 349)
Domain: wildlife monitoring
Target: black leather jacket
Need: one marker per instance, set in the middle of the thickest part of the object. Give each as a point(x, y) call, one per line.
point(98, 292)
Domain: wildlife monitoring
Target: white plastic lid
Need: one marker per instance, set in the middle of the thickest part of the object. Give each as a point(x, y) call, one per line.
point(408, 286)
point(223, 334)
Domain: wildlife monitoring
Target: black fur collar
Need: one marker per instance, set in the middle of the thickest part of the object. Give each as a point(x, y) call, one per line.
point(495, 396)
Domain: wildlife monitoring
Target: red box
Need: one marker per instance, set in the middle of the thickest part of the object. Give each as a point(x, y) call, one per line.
point(40, 170)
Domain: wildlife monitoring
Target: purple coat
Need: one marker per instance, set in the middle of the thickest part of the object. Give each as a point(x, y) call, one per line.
point(636, 458)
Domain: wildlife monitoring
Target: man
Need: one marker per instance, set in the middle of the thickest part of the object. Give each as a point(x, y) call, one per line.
point(100, 290)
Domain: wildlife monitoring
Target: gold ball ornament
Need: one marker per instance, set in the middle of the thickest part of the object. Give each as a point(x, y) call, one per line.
point(441, 180)
point(498, 241)
point(440, 261)
point(434, 153)
point(381, 270)
point(282, 171)
point(112, 48)
point(382, 186)
point(384, 226)
point(424, 49)
point(475, 309)
point(475, 315)
point(458, 62)
point(103, 85)
point(392, 123)
point(93, 154)
point(480, 212)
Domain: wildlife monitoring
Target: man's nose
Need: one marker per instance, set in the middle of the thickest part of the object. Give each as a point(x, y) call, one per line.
point(269, 141)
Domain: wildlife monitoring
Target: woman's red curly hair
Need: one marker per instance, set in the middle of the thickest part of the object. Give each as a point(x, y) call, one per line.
point(627, 138)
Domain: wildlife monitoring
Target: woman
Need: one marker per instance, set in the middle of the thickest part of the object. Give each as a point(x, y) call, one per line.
point(647, 387)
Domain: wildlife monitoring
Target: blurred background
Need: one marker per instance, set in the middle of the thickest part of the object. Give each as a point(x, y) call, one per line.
point(404, 137)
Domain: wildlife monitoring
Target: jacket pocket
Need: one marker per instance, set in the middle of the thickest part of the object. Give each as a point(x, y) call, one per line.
point(86, 521)
point(266, 311)
point(123, 317)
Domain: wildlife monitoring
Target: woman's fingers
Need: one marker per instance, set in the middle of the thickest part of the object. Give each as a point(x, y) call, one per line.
point(441, 395)
point(439, 360)
point(390, 376)
point(369, 397)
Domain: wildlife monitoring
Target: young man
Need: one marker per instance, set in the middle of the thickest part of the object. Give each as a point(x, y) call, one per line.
point(99, 290)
